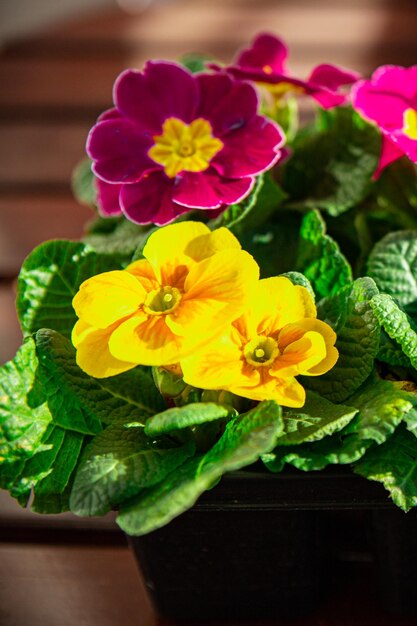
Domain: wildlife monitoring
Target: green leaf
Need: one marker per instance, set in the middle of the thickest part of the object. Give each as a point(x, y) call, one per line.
point(397, 325)
point(38, 466)
point(50, 278)
point(244, 440)
point(81, 403)
point(24, 415)
point(118, 463)
point(393, 266)
point(394, 464)
point(185, 416)
point(390, 352)
point(331, 168)
point(123, 240)
point(319, 257)
point(381, 405)
point(47, 491)
point(274, 245)
point(195, 62)
point(255, 209)
point(317, 419)
point(350, 314)
point(82, 184)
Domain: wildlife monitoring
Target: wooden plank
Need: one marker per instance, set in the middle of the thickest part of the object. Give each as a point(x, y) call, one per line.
point(45, 585)
point(10, 334)
point(28, 220)
point(38, 154)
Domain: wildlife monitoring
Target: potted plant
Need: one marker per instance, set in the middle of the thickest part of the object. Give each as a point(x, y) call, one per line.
point(244, 304)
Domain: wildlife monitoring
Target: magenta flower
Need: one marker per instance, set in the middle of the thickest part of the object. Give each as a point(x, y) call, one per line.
point(177, 141)
point(389, 99)
point(107, 198)
point(264, 63)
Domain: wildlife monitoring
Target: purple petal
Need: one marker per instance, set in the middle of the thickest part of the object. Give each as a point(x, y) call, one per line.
point(332, 77)
point(389, 153)
point(119, 151)
point(228, 104)
point(266, 50)
point(398, 79)
point(250, 150)
point(161, 91)
point(107, 198)
point(110, 114)
point(150, 200)
point(208, 190)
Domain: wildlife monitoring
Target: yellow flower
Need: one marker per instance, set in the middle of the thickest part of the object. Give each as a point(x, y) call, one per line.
point(191, 284)
point(275, 340)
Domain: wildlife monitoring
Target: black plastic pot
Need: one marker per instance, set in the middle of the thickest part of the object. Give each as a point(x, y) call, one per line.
point(263, 546)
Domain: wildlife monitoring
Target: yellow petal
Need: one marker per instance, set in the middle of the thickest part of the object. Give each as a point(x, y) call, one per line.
point(300, 355)
point(108, 297)
point(287, 391)
point(143, 272)
point(293, 332)
point(217, 366)
point(208, 244)
point(146, 341)
point(165, 248)
point(93, 354)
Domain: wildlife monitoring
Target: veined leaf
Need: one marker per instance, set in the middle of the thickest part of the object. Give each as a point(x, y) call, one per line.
point(394, 464)
point(331, 168)
point(390, 352)
point(186, 416)
point(81, 403)
point(49, 491)
point(317, 418)
point(124, 240)
point(350, 314)
point(118, 463)
point(50, 278)
point(246, 437)
point(393, 266)
point(319, 257)
point(397, 325)
point(24, 414)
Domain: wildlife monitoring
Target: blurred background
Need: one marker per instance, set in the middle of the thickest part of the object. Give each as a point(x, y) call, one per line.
point(58, 62)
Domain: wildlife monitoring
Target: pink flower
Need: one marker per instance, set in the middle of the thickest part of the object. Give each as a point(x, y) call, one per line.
point(107, 198)
point(264, 62)
point(389, 99)
point(177, 141)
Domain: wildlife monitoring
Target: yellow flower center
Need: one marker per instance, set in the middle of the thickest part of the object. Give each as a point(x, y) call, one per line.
point(185, 147)
point(162, 301)
point(261, 351)
point(267, 69)
point(410, 123)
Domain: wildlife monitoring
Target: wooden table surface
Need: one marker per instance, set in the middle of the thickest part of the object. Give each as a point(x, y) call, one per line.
point(54, 84)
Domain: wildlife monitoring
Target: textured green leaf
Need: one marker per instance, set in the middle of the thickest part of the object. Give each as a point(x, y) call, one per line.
point(55, 483)
point(319, 257)
point(381, 406)
point(81, 403)
point(393, 266)
point(118, 463)
point(82, 183)
point(49, 279)
point(38, 466)
point(24, 415)
point(390, 352)
point(331, 168)
point(244, 440)
point(317, 418)
point(184, 417)
point(394, 464)
point(123, 240)
point(350, 314)
point(397, 325)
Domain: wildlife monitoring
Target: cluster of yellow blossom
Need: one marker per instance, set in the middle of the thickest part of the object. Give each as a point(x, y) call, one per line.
point(196, 300)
